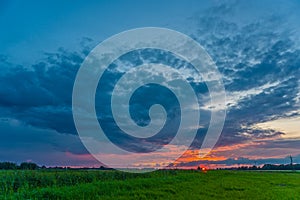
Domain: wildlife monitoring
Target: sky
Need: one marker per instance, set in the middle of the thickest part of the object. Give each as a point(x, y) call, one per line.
point(255, 46)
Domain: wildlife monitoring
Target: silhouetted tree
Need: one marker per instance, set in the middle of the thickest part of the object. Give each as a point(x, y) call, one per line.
point(30, 166)
point(8, 165)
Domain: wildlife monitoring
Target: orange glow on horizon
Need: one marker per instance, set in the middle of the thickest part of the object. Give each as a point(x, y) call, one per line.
point(250, 149)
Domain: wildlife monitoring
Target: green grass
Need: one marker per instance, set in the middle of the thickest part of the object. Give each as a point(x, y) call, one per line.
point(175, 184)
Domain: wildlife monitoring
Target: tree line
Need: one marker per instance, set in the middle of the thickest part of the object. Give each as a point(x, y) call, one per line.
point(267, 167)
point(14, 166)
point(34, 166)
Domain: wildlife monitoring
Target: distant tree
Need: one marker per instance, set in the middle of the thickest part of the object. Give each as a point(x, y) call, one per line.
point(28, 166)
point(8, 165)
point(253, 167)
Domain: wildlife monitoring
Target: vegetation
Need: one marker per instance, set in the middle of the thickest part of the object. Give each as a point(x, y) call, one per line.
point(268, 167)
point(24, 165)
point(163, 184)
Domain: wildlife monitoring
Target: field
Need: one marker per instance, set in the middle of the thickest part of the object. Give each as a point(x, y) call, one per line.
point(166, 184)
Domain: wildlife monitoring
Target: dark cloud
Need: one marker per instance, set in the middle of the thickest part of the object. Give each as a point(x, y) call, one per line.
point(20, 142)
point(40, 95)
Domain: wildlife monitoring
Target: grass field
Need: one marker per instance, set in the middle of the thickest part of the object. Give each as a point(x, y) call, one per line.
point(172, 184)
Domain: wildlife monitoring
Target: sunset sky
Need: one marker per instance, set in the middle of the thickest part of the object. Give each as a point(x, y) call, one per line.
point(254, 44)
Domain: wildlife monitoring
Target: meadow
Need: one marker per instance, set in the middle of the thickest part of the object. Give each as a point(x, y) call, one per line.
point(164, 184)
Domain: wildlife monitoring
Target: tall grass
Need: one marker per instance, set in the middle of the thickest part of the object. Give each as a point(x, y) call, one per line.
point(167, 184)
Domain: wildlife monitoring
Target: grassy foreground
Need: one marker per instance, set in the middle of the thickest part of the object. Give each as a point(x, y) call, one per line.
point(173, 184)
